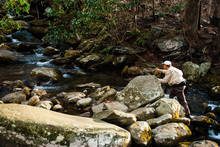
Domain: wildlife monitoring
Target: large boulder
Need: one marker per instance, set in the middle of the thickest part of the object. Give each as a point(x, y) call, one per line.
point(169, 45)
point(141, 132)
point(191, 71)
point(7, 56)
point(154, 122)
point(144, 113)
point(170, 134)
point(16, 97)
point(140, 91)
point(168, 106)
point(116, 117)
point(32, 126)
point(45, 73)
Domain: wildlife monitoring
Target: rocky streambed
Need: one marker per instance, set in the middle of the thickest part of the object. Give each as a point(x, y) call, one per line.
point(100, 107)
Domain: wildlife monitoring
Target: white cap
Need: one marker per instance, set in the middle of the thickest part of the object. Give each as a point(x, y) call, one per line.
point(167, 63)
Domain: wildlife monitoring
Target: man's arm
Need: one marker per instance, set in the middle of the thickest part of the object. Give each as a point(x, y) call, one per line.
point(166, 78)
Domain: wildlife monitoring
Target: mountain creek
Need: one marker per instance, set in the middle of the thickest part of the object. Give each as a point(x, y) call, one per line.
point(75, 78)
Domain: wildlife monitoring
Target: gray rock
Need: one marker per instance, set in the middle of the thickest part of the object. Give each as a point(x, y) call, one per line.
point(140, 91)
point(45, 104)
point(103, 93)
point(98, 108)
point(144, 113)
point(168, 106)
point(73, 97)
point(115, 105)
point(204, 68)
point(88, 60)
point(7, 56)
point(203, 143)
point(141, 132)
point(170, 134)
point(163, 119)
point(169, 45)
point(51, 51)
point(117, 117)
point(49, 128)
point(38, 92)
point(191, 71)
point(84, 102)
point(33, 100)
point(57, 107)
point(72, 53)
point(45, 73)
point(16, 97)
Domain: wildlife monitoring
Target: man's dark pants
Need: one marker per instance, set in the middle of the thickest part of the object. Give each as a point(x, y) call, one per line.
point(179, 93)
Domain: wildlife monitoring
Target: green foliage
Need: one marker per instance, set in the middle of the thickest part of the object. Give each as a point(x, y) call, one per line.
point(17, 7)
point(88, 18)
point(13, 7)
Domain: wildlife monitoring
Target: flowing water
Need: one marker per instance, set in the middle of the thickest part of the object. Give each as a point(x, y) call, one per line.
point(71, 78)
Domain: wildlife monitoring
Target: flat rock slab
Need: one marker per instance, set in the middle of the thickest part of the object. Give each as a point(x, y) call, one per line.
point(33, 126)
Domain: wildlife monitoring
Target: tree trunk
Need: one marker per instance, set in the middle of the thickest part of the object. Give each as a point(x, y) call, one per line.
point(191, 22)
point(216, 17)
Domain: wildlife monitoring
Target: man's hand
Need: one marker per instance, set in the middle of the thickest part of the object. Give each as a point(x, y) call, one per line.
point(158, 70)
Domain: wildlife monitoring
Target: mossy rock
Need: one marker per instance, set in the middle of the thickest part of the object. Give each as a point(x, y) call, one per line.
point(31, 126)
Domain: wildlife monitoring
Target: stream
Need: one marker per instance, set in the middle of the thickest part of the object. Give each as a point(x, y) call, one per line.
point(71, 78)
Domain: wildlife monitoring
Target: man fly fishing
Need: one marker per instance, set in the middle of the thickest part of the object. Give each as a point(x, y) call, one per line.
point(174, 78)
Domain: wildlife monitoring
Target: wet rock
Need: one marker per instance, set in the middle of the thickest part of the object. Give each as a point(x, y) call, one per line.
point(51, 51)
point(115, 105)
point(98, 108)
point(104, 93)
point(16, 97)
point(51, 128)
point(141, 132)
point(45, 104)
point(170, 134)
point(169, 45)
point(204, 68)
point(84, 102)
point(23, 24)
point(163, 119)
point(215, 91)
point(88, 85)
point(144, 113)
point(72, 53)
point(7, 56)
point(60, 61)
point(191, 71)
point(45, 73)
point(24, 36)
point(184, 120)
point(204, 120)
point(57, 107)
point(33, 100)
point(1, 102)
point(168, 106)
point(116, 117)
point(89, 60)
point(203, 143)
point(125, 50)
point(140, 91)
point(73, 97)
point(134, 71)
point(38, 92)
point(4, 46)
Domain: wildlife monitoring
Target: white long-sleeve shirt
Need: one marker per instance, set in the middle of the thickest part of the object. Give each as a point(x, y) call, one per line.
point(172, 76)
